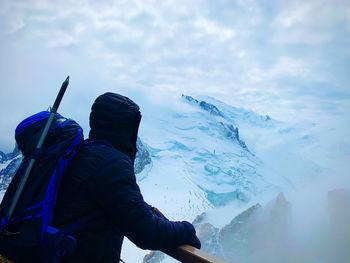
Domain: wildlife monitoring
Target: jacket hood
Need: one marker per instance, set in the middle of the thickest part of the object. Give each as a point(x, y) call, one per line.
point(116, 119)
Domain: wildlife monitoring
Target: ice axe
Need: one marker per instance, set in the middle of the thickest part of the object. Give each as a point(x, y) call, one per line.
point(40, 143)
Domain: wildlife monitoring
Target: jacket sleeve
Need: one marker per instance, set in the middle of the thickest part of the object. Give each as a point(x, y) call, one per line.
point(120, 196)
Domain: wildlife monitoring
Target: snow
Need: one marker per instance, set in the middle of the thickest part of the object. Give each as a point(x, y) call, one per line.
point(193, 159)
point(2, 193)
point(194, 162)
point(131, 253)
point(4, 164)
point(196, 167)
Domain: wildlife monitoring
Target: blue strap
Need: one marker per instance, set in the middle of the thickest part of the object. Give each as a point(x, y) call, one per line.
point(82, 222)
point(54, 184)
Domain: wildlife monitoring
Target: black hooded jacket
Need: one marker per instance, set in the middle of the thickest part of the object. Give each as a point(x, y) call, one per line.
point(101, 178)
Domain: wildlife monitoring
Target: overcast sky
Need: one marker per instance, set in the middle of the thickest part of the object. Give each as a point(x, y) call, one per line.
point(288, 59)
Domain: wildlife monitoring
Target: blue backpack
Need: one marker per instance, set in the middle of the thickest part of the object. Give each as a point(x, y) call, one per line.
point(28, 236)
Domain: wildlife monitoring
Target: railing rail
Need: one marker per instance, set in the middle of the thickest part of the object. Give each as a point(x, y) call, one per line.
point(189, 254)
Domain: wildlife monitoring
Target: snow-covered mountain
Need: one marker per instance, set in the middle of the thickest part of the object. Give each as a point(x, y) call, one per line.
point(8, 166)
point(196, 155)
point(10, 162)
point(200, 154)
point(204, 155)
point(210, 156)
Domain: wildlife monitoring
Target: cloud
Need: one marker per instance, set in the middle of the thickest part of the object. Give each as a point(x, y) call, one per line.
point(292, 16)
point(283, 66)
point(13, 24)
point(211, 28)
point(310, 23)
point(265, 56)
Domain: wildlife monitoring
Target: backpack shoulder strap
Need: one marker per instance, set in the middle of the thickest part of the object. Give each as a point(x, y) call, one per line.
point(81, 223)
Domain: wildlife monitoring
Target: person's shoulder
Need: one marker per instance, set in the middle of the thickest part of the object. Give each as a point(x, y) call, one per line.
point(103, 151)
point(104, 161)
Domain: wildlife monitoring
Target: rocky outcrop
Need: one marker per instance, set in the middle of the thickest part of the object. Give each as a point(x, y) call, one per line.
point(212, 109)
point(3, 157)
point(233, 134)
point(230, 131)
point(190, 99)
point(154, 257)
point(209, 236)
point(6, 174)
point(199, 219)
point(274, 239)
point(237, 238)
point(16, 152)
point(143, 157)
point(258, 234)
point(6, 157)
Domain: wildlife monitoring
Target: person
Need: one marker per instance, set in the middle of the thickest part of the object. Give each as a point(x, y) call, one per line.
point(101, 178)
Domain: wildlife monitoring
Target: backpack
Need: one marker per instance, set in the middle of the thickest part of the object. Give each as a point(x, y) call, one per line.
point(28, 236)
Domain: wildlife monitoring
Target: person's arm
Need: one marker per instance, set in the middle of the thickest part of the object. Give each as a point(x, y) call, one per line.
point(120, 196)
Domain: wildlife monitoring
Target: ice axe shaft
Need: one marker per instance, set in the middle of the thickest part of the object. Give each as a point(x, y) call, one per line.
point(40, 143)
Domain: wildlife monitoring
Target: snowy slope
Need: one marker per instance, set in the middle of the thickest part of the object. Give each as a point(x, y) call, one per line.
point(200, 157)
point(210, 156)
point(200, 154)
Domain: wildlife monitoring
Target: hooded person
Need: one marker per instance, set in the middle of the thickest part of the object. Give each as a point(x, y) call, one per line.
point(102, 178)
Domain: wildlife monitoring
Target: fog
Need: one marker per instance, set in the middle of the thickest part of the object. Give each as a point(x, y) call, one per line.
point(307, 224)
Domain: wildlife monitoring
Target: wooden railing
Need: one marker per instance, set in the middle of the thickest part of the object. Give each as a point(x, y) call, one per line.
point(189, 254)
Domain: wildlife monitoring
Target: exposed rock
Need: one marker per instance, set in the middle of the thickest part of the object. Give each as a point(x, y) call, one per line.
point(199, 219)
point(154, 257)
point(276, 245)
point(190, 99)
point(3, 157)
point(6, 157)
point(7, 174)
point(143, 157)
point(256, 235)
point(237, 237)
point(209, 237)
point(233, 133)
point(280, 213)
point(210, 108)
point(14, 153)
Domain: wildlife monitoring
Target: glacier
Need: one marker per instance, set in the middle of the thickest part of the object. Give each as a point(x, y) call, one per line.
point(202, 149)
point(200, 155)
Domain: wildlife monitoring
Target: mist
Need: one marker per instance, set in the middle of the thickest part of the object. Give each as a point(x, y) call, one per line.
point(306, 224)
